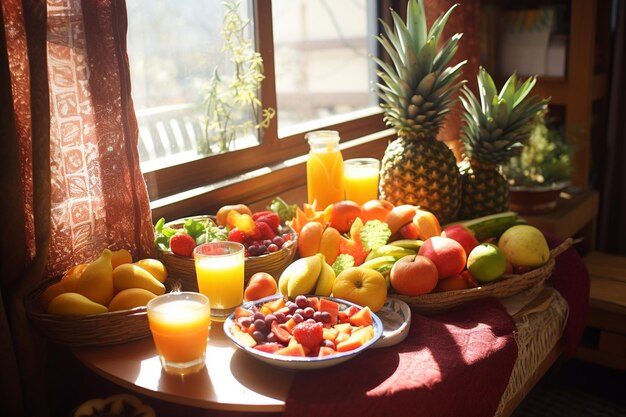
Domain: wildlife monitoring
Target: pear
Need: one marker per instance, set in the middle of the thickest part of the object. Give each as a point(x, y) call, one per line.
point(325, 280)
point(96, 281)
point(524, 245)
point(74, 304)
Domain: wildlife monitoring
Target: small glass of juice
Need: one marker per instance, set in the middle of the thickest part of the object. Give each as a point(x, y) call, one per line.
point(220, 274)
point(180, 324)
point(361, 179)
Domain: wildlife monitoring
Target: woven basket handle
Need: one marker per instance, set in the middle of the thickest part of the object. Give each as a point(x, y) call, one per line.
point(565, 245)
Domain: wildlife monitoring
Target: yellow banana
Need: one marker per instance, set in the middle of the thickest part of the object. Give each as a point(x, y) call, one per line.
point(325, 281)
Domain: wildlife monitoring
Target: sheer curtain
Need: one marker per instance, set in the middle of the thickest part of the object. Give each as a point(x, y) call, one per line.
point(71, 183)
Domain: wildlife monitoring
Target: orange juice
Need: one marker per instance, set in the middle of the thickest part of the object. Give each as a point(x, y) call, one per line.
point(361, 179)
point(221, 282)
point(180, 323)
point(220, 275)
point(324, 169)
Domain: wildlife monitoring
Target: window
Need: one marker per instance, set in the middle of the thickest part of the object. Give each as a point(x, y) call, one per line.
point(318, 75)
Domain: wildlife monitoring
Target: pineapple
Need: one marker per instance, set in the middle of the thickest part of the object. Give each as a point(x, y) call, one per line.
point(495, 129)
point(416, 92)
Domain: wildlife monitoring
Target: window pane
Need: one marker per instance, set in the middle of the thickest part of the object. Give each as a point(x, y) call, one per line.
point(174, 47)
point(321, 58)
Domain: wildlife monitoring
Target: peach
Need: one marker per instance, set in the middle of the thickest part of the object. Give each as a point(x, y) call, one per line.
point(427, 223)
point(222, 214)
point(343, 215)
point(462, 235)
point(413, 275)
point(260, 285)
point(309, 239)
point(375, 210)
point(399, 216)
point(453, 283)
point(447, 254)
point(329, 244)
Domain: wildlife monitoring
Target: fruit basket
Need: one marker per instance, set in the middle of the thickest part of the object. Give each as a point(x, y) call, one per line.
point(90, 330)
point(505, 287)
point(183, 269)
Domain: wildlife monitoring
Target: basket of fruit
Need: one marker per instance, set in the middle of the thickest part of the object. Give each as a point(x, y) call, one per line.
point(482, 278)
point(270, 244)
point(98, 303)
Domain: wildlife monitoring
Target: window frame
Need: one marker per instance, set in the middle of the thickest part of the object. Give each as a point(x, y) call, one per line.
point(171, 189)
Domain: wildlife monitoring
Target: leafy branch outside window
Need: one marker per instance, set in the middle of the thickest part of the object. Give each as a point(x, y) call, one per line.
point(233, 109)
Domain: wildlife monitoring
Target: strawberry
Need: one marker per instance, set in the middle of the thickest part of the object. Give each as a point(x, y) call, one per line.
point(309, 333)
point(269, 217)
point(236, 235)
point(182, 244)
point(266, 230)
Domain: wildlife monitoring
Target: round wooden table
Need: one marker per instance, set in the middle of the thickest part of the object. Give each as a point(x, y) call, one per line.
point(232, 380)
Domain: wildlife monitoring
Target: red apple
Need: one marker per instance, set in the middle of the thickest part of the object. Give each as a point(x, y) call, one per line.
point(462, 235)
point(413, 275)
point(343, 214)
point(410, 231)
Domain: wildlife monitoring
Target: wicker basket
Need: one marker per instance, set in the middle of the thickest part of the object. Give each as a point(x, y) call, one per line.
point(183, 269)
point(505, 287)
point(92, 330)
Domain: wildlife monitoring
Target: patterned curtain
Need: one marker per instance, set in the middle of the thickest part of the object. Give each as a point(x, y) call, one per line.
point(71, 182)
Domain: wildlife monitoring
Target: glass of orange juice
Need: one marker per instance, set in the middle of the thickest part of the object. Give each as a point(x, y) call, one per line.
point(361, 179)
point(180, 324)
point(220, 274)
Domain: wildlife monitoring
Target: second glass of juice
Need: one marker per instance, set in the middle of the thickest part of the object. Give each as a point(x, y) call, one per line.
point(220, 275)
point(180, 323)
point(361, 179)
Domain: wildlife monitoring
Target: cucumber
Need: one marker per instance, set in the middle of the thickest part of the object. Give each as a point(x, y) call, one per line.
point(491, 226)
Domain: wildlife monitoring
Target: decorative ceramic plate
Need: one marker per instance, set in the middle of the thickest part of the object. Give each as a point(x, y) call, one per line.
point(396, 318)
point(304, 362)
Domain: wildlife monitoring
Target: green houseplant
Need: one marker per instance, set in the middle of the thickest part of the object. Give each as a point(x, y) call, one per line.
point(231, 102)
point(537, 176)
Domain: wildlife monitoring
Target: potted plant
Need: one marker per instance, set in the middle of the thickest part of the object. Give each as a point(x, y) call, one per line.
point(537, 176)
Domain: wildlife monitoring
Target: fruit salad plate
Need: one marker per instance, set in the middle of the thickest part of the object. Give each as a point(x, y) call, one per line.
point(263, 346)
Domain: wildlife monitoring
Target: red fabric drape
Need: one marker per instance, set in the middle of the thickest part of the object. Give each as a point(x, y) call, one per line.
point(71, 184)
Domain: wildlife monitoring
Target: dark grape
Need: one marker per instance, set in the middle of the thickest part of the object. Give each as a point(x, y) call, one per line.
point(317, 316)
point(326, 316)
point(299, 311)
point(298, 318)
point(308, 312)
point(258, 315)
point(278, 241)
point(280, 317)
point(267, 242)
point(302, 301)
point(269, 319)
point(271, 248)
point(259, 336)
point(271, 337)
point(260, 325)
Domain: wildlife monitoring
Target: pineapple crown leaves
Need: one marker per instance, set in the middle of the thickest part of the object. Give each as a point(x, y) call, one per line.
point(417, 87)
point(497, 126)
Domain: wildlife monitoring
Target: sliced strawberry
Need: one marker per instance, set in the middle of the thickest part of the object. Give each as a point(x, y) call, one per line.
point(309, 333)
point(182, 244)
point(281, 333)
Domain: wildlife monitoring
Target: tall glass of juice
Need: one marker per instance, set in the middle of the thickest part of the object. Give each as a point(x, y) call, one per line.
point(361, 179)
point(324, 169)
point(180, 323)
point(220, 275)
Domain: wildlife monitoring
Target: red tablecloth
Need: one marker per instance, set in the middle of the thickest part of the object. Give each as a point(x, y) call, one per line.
point(456, 363)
